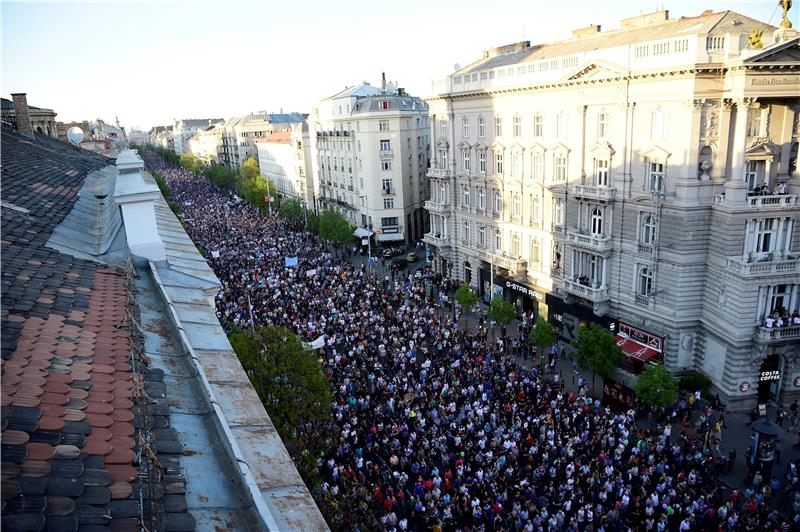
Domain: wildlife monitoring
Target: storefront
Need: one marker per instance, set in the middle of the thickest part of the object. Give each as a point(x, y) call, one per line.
point(617, 396)
point(567, 318)
point(523, 297)
point(640, 347)
point(769, 378)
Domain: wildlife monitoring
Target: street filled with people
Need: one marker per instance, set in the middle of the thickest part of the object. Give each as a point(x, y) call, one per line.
point(437, 427)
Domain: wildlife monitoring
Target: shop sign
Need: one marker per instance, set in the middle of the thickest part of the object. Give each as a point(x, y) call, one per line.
point(617, 395)
point(745, 387)
point(524, 290)
point(773, 375)
point(643, 337)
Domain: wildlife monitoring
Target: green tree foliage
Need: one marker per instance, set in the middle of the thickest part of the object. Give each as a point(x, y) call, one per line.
point(333, 227)
point(656, 386)
point(222, 176)
point(597, 350)
point(190, 162)
point(313, 222)
point(254, 190)
point(542, 334)
point(250, 169)
point(466, 297)
point(168, 155)
point(167, 193)
point(292, 211)
point(502, 312)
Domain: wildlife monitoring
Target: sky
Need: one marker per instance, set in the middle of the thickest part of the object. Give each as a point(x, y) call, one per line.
point(149, 63)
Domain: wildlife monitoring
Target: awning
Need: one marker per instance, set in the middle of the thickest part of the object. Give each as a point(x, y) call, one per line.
point(635, 350)
point(360, 232)
point(389, 237)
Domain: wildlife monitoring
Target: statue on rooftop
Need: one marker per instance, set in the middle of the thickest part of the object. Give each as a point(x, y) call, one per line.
point(786, 5)
point(754, 39)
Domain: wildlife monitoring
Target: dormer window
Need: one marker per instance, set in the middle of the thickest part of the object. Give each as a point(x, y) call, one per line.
point(384, 104)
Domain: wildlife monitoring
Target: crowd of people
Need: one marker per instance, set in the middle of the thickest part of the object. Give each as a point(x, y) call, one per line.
point(436, 428)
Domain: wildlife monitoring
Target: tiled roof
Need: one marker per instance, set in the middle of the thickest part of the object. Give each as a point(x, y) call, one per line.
point(72, 396)
point(8, 105)
point(279, 137)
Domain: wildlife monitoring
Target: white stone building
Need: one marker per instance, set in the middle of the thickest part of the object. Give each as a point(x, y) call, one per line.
point(240, 134)
point(609, 177)
point(371, 158)
point(184, 128)
point(284, 158)
point(206, 142)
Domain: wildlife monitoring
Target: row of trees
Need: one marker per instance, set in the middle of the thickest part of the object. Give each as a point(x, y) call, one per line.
point(595, 349)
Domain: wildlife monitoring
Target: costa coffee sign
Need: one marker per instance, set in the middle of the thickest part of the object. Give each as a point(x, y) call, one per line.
point(643, 337)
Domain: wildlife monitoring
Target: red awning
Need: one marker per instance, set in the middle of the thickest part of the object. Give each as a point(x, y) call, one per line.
point(635, 350)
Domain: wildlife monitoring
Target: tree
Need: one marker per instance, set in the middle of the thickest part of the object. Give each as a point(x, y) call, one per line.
point(542, 334)
point(190, 162)
point(333, 227)
point(255, 190)
point(597, 350)
point(250, 169)
point(222, 176)
point(656, 386)
point(466, 297)
point(502, 312)
point(292, 210)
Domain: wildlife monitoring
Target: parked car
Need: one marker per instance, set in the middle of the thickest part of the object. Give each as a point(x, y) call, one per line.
point(388, 253)
point(412, 257)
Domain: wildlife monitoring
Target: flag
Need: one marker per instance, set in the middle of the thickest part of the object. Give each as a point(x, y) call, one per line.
point(290, 261)
point(318, 343)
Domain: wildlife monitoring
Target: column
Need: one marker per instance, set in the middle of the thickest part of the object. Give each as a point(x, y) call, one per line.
point(605, 273)
point(582, 148)
point(692, 155)
point(739, 139)
point(749, 237)
point(725, 134)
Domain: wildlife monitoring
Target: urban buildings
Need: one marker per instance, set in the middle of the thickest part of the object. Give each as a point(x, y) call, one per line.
point(644, 178)
point(206, 142)
point(371, 157)
point(284, 158)
point(240, 133)
point(42, 121)
point(184, 128)
point(161, 136)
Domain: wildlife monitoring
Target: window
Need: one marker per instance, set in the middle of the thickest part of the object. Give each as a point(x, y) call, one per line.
point(516, 164)
point(388, 203)
point(657, 124)
point(647, 234)
point(443, 159)
point(766, 233)
point(481, 199)
point(464, 127)
point(515, 245)
point(517, 126)
point(655, 177)
point(481, 126)
point(482, 236)
point(383, 125)
point(536, 213)
point(498, 202)
point(386, 145)
point(601, 172)
point(498, 240)
point(645, 287)
point(482, 162)
point(602, 124)
point(536, 251)
point(465, 231)
point(442, 193)
point(386, 165)
point(558, 211)
point(537, 125)
point(779, 298)
point(386, 186)
point(498, 162)
point(384, 104)
point(556, 255)
point(498, 126)
point(465, 197)
point(465, 156)
point(538, 166)
point(597, 222)
point(752, 171)
point(516, 205)
point(389, 222)
point(560, 171)
point(443, 129)
point(754, 122)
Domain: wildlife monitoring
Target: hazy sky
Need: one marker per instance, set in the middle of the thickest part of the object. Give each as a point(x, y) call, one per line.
point(151, 62)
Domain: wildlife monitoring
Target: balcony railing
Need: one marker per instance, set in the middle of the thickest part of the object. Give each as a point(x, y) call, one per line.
point(774, 201)
point(436, 239)
point(512, 264)
point(386, 153)
point(762, 268)
point(387, 191)
point(595, 192)
point(592, 293)
point(434, 206)
point(437, 172)
point(599, 243)
point(777, 334)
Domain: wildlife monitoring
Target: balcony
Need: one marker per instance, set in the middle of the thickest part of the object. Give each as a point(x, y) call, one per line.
point(590, 293)
point(764, 268)
point(387, 191)
point(595, 192)
point(514, 265)
point(777, 334)
point(385, 153)
point(771, 202)
point(437, 173)
point(433, 206)
point(437, 240)
point(597, 243)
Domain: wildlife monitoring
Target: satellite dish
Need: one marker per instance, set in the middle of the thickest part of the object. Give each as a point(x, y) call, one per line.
point(456, 67)
point(75, 135)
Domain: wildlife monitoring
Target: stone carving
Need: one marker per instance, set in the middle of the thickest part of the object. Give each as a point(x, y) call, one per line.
point(705, 163)
point(754, 39)
point(709, 120)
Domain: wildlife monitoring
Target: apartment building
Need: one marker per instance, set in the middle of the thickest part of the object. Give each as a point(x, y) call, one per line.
point(183, 129)
point(370, 159)
point(284, 158)
point(240, 134)
point(619, 177)
point(206, 142)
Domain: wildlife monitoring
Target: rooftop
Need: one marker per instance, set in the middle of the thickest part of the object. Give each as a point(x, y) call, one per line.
point(8, 105)
point(279, 137)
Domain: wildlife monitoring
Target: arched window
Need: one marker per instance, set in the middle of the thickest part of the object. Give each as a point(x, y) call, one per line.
point(481, 199)
point(515, 244)
point(535, 251)
point(516, 206)
point(648, 232)
point(558, 211)
point(465, 197)
point(536, 214)
point(597, 221)
point(498, 202)
point(645, 287)
point(442, 193)
point(498, 240)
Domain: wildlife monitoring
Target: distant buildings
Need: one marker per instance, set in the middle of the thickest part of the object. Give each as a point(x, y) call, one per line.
point(370, 159)
point(206, 142)
point(99, 136)
point(184, 128)
point(617, 177)
point(240, 133)
point(284, 158)
point(43, 121)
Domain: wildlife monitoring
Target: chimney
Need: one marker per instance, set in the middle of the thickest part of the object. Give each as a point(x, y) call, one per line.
point(383, 80)
point(136, 200)
point(22, 115)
